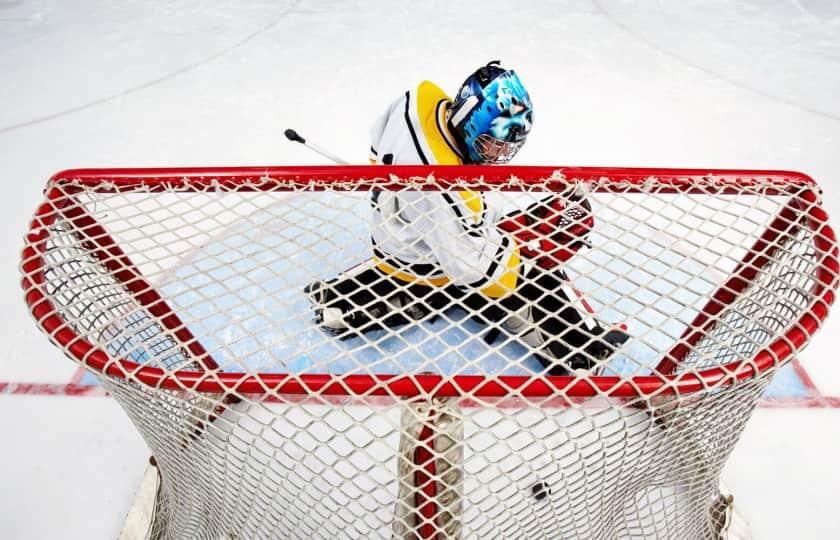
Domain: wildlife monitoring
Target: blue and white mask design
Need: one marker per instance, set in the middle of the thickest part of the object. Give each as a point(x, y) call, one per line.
point(493, 120)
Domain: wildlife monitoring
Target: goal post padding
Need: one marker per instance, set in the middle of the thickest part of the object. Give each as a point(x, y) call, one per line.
point(182, 290)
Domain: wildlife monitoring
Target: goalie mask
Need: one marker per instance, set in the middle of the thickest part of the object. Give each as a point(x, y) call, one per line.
point(491, 115)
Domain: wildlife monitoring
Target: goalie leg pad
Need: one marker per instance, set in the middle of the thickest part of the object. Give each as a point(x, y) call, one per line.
point(549, 315)
point(364, 299)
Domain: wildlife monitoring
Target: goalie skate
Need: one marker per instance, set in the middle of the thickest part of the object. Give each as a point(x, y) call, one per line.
point(554, 319)
point(559, 356)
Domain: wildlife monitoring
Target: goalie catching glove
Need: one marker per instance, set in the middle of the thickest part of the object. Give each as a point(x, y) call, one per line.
point(551, 231)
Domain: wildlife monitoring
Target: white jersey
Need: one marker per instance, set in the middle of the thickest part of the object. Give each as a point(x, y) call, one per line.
point(427, 236)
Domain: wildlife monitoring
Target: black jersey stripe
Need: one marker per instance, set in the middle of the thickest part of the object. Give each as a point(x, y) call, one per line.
point(442, 129)
point(413, 133)
point(454, 205)
point(462, 219)
point(472, 229)
point(476, 284)
point(500, 252)
point(494, 264)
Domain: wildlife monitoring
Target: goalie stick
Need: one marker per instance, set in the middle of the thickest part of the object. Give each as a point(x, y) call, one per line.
point(293, 136)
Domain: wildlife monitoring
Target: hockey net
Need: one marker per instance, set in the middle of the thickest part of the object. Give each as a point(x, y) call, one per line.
point(184, 292)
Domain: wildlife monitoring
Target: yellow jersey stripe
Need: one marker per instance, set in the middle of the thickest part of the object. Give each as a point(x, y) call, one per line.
point(475, 203)
point(408, 278)
point(507, 281)
point(429, 96)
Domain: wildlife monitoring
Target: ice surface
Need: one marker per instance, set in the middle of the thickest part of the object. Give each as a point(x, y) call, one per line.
point(97, 83)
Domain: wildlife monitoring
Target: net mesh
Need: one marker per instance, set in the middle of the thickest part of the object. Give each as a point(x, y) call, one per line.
point(451, 353)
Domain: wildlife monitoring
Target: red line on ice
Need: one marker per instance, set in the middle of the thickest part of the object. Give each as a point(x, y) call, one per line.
point(806, 379)
point(77, 376)
point(51, 389)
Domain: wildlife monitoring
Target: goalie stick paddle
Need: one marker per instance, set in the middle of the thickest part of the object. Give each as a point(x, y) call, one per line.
point(293, 136)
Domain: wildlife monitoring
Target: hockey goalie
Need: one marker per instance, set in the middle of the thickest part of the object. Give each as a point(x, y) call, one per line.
point(435, 250)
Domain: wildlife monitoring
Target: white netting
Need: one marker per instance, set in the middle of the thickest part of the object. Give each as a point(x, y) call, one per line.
point(597, 395)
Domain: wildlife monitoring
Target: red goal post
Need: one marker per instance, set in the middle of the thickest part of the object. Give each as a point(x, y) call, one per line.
point(77, 240)
point(62, 185)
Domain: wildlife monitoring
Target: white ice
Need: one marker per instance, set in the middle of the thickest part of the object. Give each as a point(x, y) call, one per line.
point(615, 83)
